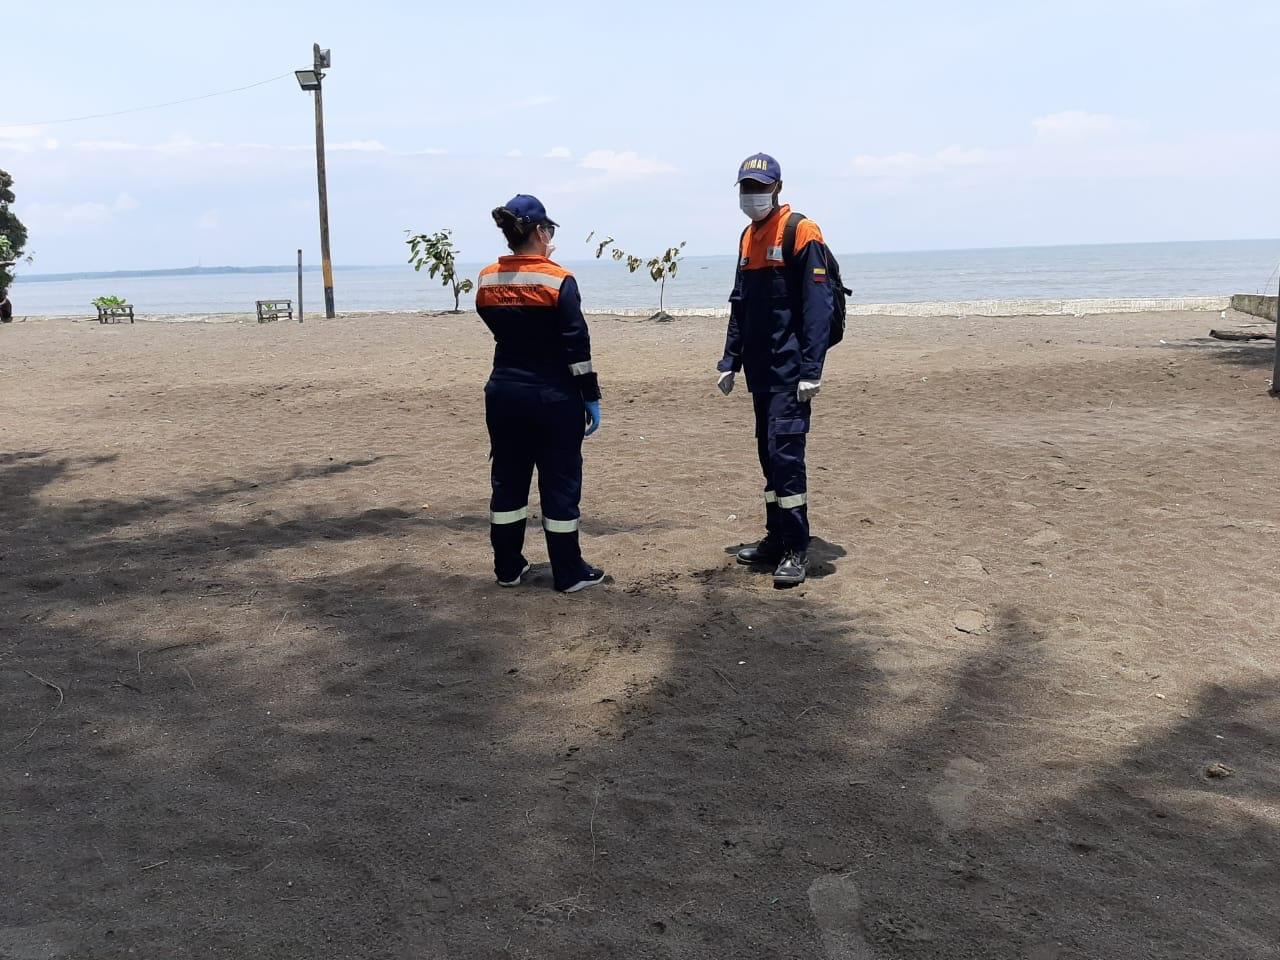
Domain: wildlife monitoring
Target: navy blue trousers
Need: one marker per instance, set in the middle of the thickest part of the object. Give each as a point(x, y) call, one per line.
point(782, 423)
point(535, 426)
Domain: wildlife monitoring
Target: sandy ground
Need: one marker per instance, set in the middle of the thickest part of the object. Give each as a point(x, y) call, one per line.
point(294, 716)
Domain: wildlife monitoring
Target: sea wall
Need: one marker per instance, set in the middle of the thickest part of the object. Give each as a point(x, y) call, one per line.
point(1255, 305)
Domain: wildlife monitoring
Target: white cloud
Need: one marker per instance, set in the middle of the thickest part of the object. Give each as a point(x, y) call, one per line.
point(20, 133)
point(626, 163)
point(360, 146)
point(209, 220)
point(86, 214)
point(515, 154)
point(187, 145)
point(1076, 126)
point(559, 153)
point(904, 165)
point(107, 146)
point(90, 213)
point(25, 140)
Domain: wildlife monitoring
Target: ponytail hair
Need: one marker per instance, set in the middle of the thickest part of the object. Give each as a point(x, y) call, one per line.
point(513, 228)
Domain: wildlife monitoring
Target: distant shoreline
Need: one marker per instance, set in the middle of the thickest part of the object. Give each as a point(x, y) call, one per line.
point(172, 272)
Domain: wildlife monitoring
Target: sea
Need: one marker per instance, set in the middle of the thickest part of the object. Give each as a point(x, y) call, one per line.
point(1104, 271)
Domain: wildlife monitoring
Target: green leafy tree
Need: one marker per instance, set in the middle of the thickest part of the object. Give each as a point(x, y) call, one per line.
point(13, 235)
point(435, 251)
point(661, 267)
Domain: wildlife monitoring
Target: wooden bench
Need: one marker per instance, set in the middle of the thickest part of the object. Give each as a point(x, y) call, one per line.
point(115, 314)
point(269, 310)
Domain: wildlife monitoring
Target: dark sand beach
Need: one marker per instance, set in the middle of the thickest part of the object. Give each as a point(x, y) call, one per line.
point(261, 698)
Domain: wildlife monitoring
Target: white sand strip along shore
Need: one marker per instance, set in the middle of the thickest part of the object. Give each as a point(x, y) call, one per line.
point(994, 308)
point(936, 308)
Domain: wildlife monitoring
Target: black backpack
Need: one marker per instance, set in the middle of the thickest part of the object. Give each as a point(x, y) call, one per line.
point(838, 290)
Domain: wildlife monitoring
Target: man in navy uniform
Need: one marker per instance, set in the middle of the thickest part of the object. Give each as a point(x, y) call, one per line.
point(780, 316)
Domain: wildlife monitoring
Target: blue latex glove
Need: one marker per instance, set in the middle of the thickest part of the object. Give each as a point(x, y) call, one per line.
point(593, 416)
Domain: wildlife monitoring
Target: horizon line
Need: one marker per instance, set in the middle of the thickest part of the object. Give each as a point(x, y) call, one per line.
point(195, 269)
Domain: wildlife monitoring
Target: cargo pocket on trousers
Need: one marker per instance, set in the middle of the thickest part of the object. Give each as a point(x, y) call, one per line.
point(786, 440)
point(788, 428)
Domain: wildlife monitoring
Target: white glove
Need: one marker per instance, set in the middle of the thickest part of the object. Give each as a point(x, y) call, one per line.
point(725, 383)
point(807, 390)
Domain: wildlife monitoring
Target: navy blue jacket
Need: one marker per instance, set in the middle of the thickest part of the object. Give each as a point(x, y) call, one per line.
point(533, 308)
point(779, 316)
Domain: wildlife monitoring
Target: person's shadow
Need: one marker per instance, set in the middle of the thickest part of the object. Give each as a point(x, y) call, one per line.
point(823, 555)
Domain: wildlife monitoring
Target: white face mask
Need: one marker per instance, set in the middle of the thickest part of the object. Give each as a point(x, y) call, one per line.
point(757, 206)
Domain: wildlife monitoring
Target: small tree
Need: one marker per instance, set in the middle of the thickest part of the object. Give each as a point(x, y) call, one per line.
point(12, 233)
point(660, 267)
point(435, 251)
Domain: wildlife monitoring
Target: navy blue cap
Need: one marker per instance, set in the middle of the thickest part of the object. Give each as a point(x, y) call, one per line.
point(529, 210)
point(760, 167)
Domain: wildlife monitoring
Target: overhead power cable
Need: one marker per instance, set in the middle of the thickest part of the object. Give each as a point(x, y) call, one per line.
point(153, 106)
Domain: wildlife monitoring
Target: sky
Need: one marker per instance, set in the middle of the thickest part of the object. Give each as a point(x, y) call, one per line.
point(916, 125)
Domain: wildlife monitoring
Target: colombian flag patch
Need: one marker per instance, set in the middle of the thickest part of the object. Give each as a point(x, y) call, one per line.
point(819, 275)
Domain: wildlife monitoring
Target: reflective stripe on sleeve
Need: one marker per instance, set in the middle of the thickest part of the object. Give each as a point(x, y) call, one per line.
point(509, 516)
point(559, 526)
point(770, 497)
point(790, 503)
point(579, 369)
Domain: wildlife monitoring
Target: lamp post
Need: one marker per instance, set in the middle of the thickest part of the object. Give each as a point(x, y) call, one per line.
point(311, 80)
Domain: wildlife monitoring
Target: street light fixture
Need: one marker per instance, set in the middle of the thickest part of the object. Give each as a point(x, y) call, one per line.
point(310, 80)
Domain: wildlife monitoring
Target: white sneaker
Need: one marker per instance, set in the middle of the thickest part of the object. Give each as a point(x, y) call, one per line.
point(518, 580)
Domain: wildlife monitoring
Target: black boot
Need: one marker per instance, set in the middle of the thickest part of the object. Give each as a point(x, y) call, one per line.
point(792, 570)
point(763, 553)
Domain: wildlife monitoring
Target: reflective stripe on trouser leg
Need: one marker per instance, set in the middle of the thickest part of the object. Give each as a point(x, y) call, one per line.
point(509, 516)
point(506, 407)
point(559, 526)
point(793, 500)
point(506, 534)
point(560, 488)
point(788, 426)
point(771, 521)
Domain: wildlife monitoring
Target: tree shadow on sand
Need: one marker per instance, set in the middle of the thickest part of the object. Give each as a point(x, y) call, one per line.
point(1260, 353)
point(394, 760)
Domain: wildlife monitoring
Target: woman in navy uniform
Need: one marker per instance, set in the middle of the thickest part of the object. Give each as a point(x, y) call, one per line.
point(542, 398)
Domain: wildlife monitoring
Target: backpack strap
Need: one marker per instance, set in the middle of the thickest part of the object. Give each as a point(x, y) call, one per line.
point(789, 238)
